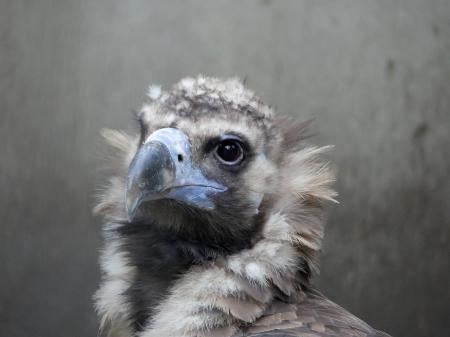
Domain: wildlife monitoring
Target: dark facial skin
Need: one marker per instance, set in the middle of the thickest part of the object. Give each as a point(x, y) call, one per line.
point(231, 220)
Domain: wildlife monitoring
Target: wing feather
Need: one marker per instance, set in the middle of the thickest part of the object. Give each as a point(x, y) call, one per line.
point(314, 316)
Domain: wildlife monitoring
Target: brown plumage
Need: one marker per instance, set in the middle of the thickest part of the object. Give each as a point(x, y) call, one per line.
point(213, 221)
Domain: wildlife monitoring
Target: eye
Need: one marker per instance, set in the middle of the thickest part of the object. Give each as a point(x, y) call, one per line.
point(229, 152)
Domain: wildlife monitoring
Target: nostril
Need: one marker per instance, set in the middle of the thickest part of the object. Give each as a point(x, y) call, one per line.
point(180, 157)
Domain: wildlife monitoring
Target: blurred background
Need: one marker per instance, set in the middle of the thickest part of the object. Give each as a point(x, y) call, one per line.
point(375, 75)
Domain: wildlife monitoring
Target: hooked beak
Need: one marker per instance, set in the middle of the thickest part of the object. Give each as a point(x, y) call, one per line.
point(163, 169)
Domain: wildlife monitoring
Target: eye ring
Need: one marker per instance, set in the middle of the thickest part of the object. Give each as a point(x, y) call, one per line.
point(229, 152)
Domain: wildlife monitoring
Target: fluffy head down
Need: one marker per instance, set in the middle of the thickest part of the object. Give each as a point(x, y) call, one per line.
point(266, 230)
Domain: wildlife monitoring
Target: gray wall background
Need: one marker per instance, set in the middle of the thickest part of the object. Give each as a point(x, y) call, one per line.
point(374, 74)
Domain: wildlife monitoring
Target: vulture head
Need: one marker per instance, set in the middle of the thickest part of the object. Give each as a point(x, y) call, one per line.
point(205, 165)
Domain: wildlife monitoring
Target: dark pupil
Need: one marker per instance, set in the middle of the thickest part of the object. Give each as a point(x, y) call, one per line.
point(229, 151)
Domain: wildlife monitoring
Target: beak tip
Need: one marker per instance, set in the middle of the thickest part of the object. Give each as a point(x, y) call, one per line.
point(130, 208)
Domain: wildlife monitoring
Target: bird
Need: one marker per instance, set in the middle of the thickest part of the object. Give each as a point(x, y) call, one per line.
point(213, 219)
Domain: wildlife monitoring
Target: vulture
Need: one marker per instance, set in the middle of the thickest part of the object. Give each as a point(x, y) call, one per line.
point(213, 221)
